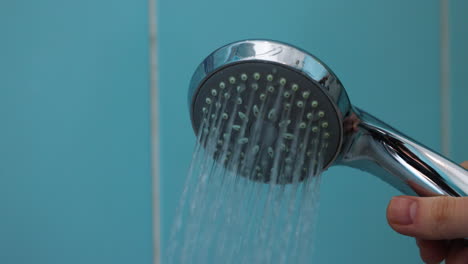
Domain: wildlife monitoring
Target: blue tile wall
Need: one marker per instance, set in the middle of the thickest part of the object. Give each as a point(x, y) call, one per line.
point(75, 181)
point(459, 78)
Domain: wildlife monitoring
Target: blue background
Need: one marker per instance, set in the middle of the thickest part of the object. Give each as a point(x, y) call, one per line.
point(459, 78)
point(75, 180)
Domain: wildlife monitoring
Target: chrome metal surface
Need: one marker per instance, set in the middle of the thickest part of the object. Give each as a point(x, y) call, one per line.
point(373, 146)
point(274, 52)
point(366, 143)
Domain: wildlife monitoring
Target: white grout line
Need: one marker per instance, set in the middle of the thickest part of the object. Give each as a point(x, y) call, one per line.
point(445, 93)
point(154, 128)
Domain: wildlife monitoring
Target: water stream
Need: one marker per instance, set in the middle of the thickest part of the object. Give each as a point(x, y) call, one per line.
point(244, 201)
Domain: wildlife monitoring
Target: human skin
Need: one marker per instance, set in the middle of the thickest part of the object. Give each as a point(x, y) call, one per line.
point(439, 224)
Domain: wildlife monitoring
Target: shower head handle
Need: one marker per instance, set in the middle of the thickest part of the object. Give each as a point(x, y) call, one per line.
point(373, 146)
point(279, 77)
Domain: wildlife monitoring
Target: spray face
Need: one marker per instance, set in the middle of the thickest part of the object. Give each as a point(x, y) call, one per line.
point(270, 121)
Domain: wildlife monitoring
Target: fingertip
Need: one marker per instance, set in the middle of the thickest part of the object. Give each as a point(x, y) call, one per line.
point(402, 210)
point(401, 214)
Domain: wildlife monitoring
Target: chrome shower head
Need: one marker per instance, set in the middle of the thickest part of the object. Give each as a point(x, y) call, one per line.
point(274, 104)
point(276, 91)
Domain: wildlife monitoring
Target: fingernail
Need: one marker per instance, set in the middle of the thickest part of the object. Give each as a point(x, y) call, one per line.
point(402, 211)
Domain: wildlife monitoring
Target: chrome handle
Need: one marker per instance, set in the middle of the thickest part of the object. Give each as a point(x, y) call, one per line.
point(375, 147)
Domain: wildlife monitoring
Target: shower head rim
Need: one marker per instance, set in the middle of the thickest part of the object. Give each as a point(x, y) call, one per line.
point(270, 51)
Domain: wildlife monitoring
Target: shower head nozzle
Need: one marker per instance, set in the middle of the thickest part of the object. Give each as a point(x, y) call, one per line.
point(268, 96)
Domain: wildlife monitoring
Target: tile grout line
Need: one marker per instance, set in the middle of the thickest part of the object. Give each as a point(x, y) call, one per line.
point(445, 92)
point(154, 93)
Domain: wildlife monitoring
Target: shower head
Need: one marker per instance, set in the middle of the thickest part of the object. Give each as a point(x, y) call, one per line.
point(275, 113)
point(276, 91)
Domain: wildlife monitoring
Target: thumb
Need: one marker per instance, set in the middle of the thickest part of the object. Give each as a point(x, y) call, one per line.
point(431, 218)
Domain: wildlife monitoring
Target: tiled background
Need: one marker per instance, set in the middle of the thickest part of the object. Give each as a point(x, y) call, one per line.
point(75, 177)
point(459, 78)
point(75, 181)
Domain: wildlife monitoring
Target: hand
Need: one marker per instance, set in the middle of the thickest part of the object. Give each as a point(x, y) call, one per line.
point(439, 225)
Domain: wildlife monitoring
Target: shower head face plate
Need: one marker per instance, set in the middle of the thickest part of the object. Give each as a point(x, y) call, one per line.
point(275, 117)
